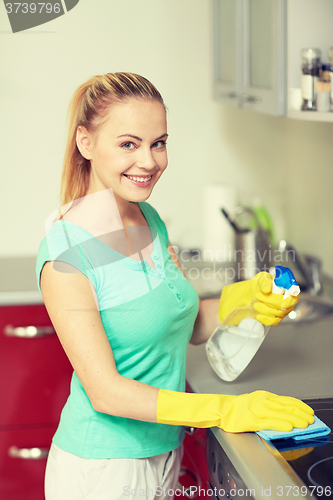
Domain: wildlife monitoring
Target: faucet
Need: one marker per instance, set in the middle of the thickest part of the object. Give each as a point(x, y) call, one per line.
point(308, 266)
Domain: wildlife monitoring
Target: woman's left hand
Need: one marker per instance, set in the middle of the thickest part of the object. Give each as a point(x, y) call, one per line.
point(256, 293)
point(272, 308)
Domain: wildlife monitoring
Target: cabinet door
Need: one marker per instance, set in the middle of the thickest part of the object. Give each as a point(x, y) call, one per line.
point(22, 469)
point(228, 65)
point(34, 370)
point(265, 63)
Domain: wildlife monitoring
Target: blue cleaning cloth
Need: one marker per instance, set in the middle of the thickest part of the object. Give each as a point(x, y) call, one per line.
point(317, 429)
point(290, 444)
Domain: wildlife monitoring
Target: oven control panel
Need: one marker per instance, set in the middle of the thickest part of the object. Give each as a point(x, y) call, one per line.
point(224, 479)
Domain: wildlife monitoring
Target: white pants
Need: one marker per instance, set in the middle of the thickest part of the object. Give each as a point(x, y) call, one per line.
point(69, 477)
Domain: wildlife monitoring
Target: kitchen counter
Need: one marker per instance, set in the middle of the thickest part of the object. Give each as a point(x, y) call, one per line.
point(294, 360)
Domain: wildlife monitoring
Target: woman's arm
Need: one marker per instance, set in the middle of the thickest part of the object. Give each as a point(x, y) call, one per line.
point(207, 319)
point(71, 306)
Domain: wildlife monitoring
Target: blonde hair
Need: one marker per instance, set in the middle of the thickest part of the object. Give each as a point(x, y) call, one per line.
point(89, 107)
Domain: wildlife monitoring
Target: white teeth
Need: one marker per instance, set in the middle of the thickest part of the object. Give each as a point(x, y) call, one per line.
point(139, 179)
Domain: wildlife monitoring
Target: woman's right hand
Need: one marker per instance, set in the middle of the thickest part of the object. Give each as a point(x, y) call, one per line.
point(263, 410)
point(259, 410)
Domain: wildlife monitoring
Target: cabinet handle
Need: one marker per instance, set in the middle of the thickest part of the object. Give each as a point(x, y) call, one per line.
point(250, 98)
point(28, 453)
point(28, 332)
point(190, 430)
point(230, 95)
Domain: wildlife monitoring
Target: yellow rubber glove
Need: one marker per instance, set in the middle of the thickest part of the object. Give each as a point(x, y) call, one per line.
point(268, 308)
point(272, 308)
point(259, 410)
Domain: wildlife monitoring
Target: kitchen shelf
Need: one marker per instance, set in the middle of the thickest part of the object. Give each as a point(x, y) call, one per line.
point(314, 116)
point(309, 24)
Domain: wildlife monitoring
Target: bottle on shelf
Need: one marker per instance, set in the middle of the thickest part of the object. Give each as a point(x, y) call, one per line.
point(311, 67)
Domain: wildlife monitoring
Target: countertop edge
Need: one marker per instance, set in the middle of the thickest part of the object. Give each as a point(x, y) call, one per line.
point(20, 298)
point(261, 470)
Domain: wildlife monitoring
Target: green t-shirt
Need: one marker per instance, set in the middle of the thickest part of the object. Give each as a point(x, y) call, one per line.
point(148, 316)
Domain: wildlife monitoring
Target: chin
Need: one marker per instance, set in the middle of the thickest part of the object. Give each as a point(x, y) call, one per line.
point(140, 195)
point(139, 198)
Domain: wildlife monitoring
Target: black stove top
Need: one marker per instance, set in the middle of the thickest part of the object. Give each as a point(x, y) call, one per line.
point(313, 460)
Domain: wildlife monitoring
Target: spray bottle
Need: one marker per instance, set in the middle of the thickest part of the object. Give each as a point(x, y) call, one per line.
point(236, 340)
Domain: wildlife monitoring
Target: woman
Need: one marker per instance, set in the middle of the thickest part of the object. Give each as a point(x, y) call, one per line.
point(124, 312)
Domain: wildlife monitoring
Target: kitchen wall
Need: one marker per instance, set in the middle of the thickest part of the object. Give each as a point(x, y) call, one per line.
point(286, 162)
point(289, 163)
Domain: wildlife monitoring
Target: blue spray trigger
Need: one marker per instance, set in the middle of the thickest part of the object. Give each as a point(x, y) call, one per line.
point(284, 278)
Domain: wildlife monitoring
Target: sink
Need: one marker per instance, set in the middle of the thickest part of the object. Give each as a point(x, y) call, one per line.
point(309, 308)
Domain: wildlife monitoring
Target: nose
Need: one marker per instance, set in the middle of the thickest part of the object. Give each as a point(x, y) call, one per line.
point(145, 159)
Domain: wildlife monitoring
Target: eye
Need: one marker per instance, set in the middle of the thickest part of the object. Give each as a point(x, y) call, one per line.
point(128, 145)
point(159, 144)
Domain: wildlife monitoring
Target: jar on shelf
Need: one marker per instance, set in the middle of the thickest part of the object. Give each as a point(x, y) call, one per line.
point(311, 67)
point(325, 73)
point(323, 96)
point(330, 56)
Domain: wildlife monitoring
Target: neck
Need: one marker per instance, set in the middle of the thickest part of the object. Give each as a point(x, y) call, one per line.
point(126, 208)
point(101, 211)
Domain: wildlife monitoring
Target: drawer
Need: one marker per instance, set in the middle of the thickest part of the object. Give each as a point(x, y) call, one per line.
point(21, 475)
point(34, 370)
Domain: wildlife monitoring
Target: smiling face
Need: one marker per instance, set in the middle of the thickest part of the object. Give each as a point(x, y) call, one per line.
point(128, 153)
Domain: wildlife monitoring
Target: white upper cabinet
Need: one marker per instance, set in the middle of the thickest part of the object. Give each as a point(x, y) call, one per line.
point(250, 54)
point(264, 55)
point(257, 52)
point(228, 61)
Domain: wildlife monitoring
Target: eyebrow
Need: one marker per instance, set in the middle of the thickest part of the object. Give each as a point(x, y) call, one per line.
point(139, 138)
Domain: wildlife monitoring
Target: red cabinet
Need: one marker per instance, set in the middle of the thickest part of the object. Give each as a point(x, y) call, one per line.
point(34, 385)
point(194, 471)
point(21, 475)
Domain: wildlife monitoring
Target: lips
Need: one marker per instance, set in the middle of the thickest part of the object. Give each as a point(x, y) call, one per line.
point(139, 180)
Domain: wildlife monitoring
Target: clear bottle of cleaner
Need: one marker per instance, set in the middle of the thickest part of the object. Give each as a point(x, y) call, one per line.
point(236, 340)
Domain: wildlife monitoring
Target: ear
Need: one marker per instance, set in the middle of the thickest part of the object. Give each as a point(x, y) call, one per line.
point(84, 142)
